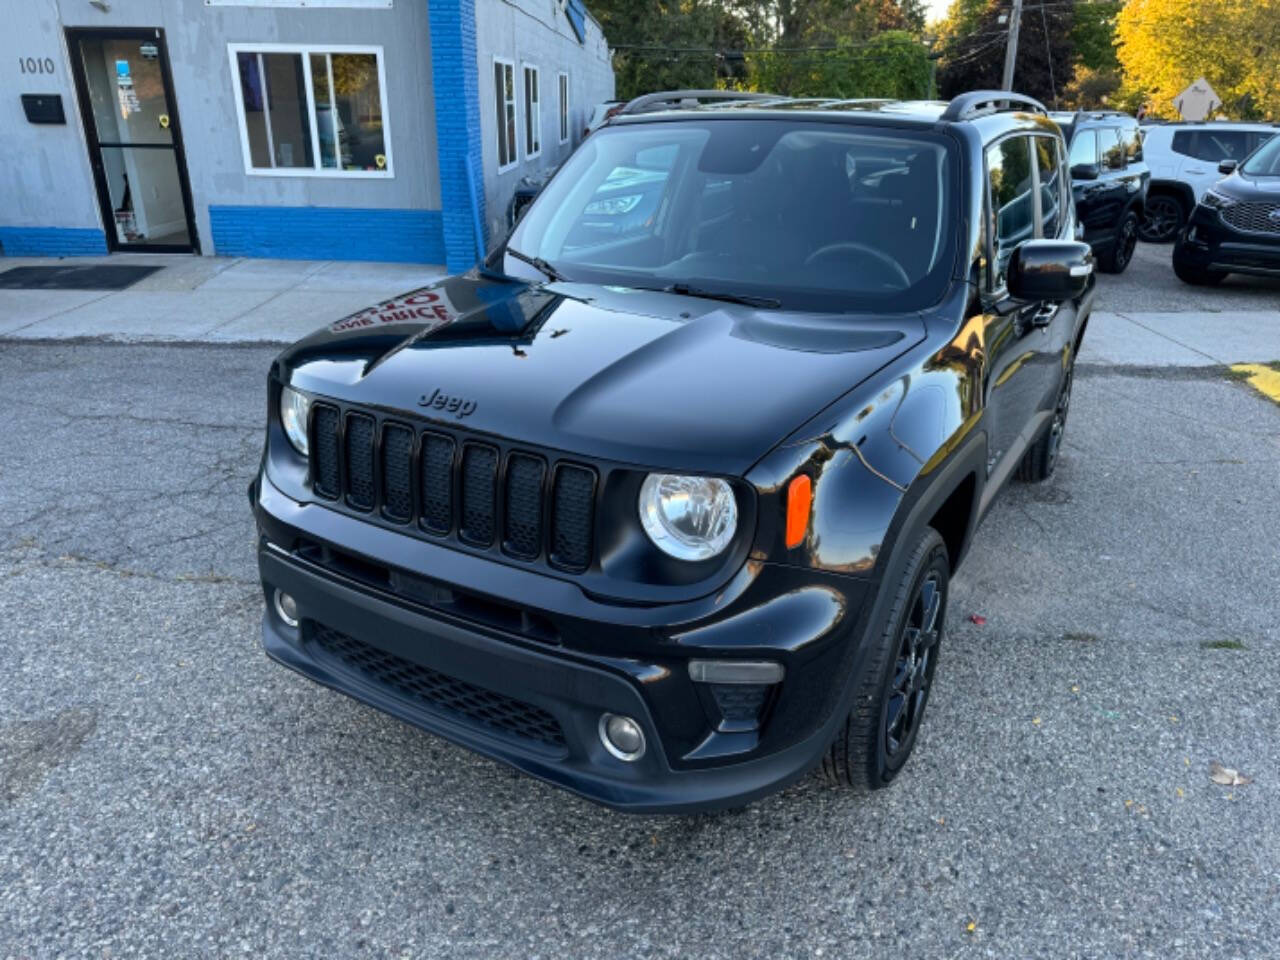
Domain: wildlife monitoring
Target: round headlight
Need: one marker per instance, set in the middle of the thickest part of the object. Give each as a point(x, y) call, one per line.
point(294, 407)
point(689, 518)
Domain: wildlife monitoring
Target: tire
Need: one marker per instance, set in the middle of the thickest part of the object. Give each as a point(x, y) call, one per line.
point(1121, 251)
point(893, 690)
point(1038, 463)
point(1198, 276)
point(1162, 218)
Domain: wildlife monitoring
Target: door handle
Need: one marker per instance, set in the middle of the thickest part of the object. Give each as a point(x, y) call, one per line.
point(1044, 315)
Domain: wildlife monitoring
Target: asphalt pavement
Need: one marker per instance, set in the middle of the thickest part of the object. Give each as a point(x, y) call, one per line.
point(166, 791)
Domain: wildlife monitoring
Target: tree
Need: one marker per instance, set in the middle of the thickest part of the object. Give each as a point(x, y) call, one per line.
point(974, 45)
point(1165, 45)
point(893, 64)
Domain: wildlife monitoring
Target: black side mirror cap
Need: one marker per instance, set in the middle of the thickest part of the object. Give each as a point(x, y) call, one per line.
point(1227, 166)
point(1049, 270)
point(1085, 171)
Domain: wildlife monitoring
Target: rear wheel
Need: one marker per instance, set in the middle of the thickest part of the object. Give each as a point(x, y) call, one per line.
point(876, 738)
point(1162, 218)
point(1198, 276)
point(1041, 458)
point(1126, 241)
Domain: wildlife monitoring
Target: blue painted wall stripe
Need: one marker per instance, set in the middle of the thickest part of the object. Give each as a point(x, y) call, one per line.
point(328, 233)
point(52, 241)
point(456, 91)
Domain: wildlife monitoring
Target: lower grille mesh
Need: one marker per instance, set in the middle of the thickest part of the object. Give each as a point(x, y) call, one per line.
point(436, 691)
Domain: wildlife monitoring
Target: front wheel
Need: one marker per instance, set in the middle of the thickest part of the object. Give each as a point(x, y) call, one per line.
point(1162, 218)
point(877, 736)
point(1126, 241)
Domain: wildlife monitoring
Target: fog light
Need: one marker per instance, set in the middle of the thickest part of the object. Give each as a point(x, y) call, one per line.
point(621, 736)
point(286, 608)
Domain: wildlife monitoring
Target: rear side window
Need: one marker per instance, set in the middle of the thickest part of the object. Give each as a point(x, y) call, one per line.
point(1111, 148)
point(1215, 145)
point(1132, 140)
point(1012, 200)
point(1049, 165)
point(1084, 148)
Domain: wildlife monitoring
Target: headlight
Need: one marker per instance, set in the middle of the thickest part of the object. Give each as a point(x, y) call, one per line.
point(1217, 201)
point(613, 206)
point(689, 518)
point(294, 407)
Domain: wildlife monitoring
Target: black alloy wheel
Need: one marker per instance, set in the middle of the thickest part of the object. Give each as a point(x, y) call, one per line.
point(892, 688)
point(913, 671)
point(1162, 219)
point(1126, 243)
point(1059, 424)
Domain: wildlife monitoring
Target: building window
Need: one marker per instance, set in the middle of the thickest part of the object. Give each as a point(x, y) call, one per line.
point(564, 107)
point(532, 113)
point(312, 110)
point(504, 88)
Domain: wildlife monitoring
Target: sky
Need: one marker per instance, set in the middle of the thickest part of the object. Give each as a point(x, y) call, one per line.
point(937, 9)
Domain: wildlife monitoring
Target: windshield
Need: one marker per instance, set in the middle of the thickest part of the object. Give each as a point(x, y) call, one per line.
point(1265, 161)
point(816, 216)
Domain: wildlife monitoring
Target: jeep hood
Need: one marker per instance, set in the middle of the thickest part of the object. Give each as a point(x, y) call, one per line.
point(652, 379)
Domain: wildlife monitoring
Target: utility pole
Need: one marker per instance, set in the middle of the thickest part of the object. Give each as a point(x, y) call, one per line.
point(1011, 49)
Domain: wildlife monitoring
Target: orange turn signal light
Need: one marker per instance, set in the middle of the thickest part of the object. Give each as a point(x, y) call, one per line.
point(799, 502)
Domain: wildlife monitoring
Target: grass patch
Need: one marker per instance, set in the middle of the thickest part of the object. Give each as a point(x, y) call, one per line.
point(1081, 637)
point(1224, 645)
point(1239, 376)
point(1274, 365)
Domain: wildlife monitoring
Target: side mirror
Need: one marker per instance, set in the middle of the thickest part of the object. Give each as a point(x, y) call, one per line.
point(1085, 171)
point(1053, 270)
point(1227, 166)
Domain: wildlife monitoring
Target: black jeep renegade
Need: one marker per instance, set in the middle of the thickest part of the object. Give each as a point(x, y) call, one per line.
point(663, 509)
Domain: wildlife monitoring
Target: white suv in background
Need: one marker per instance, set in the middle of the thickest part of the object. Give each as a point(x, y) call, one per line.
point(1184, 159)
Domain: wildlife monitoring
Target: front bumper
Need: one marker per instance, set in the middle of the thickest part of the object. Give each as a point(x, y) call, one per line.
point(536, 705)
point(1209, 243)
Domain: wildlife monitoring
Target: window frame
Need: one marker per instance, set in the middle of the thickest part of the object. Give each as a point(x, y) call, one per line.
point(991, 221)
point(513, 149)
point(532, 124)
point(1064, 194)
point(305, 51)
point(564, 116)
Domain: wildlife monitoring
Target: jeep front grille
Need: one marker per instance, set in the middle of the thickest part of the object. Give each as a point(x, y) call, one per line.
point(1254, 216)
point(476, 494)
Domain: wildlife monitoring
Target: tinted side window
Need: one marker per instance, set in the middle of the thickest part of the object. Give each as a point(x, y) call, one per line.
point(1214, 145)
point(1013, 213)
point(1051, 199)
point(1112, 148)
point(1084, 148)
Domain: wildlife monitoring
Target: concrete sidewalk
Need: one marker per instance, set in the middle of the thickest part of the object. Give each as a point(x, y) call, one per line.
point(206, 299)
point(221, 300)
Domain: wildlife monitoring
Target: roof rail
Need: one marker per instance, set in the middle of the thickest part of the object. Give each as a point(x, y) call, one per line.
point(668, 99)
point(979, 103)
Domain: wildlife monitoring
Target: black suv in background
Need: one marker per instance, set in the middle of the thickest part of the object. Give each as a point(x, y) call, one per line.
point(668, 515)
point(1235, 228)
point(1109, 179)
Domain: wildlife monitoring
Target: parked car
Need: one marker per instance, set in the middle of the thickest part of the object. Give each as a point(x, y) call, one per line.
point(668, 516)
point(1235, 228)
point(1184, 159)
point(1109, 179)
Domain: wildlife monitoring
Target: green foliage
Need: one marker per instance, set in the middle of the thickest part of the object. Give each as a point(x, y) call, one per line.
point(892, 64)
point(1093, 34)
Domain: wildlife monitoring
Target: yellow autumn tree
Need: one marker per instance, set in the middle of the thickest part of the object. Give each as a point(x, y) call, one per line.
point(1165, 45)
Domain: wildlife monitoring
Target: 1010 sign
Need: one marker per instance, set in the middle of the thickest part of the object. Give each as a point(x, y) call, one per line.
point(35, 64)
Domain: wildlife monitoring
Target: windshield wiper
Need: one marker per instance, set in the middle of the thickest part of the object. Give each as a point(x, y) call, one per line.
point(746, 299)
point(545, 267)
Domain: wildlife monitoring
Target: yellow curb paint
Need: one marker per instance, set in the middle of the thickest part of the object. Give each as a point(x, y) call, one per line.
point(1262, 378)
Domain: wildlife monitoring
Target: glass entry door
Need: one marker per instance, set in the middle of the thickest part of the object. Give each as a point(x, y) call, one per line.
point(126, 102)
